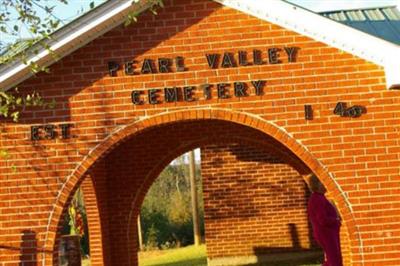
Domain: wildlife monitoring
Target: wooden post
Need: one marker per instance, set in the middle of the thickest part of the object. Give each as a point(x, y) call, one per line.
point(139, 228)
point(71, 250)
point(193, 190)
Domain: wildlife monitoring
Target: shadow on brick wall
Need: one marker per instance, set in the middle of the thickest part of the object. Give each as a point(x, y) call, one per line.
point(272, 256)
point(290, 256)
point(88, 68)
point(28, 248)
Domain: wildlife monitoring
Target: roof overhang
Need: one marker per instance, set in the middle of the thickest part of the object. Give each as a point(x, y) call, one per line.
point(289, 16)
point(325, 30)
point(70, 38)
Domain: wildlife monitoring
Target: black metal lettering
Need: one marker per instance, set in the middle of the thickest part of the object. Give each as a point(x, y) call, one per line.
point(188, 93)
point(273, 56)
point(65, 130)
point(340, 109)
point(291, 52)
point(171, 94)
point(147, 66)
point(135, 96)
point(240, 89)
point(164, 65)
point(258, 85)
point(257, 60)
point(179, 62)
point(308, 112)
point(113, 68)
point(153, 96)
point(130, 68)
point(35, 133)
point(212, 60)
point(227, 60)
point(354, 111)
point(358, 110)
point(243, 58)
point(221, 90)
point(50, 132)
point(207, 91)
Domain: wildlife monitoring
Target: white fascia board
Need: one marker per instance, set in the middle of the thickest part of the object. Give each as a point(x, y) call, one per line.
point(325, 30)
point(71, 38)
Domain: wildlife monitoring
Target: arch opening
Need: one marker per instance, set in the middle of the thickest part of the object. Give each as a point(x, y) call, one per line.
point(146, 152)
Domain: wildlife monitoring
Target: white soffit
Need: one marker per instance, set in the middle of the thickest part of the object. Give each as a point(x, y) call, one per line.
point(322, 29)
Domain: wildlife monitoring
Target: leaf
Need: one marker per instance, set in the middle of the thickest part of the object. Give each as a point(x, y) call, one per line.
point(3, 29)
point(127, 22)
point(4, 95)
point(153, 10)
point(4, 110)
point(33, 30)
point(16, 27)
point(4, 154)
point(52, 104)
point(160, 3)
point(91, 5)
point(15, 116)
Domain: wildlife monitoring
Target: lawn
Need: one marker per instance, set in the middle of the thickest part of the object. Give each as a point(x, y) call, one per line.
point(191, 256)
point(187, 256)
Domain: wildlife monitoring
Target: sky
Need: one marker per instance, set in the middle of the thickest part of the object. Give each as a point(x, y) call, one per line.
point(76, 8)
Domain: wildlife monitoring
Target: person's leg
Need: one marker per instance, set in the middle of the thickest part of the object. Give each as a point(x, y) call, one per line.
point(333, 253)
point(325, 263)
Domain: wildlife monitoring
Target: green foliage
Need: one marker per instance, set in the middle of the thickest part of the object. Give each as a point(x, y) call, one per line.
point(11, 104)
point(70, 225)
point(23, 13)
point(166, 211)
point(154, 5)
point(34, 16)
point(4, 154)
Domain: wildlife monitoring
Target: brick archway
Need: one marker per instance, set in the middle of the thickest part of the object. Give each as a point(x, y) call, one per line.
point(181, 149)
point(251, 121)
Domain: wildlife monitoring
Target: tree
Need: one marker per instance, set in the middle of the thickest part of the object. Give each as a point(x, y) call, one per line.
point(17, 15)
point(166, 213)
point(36, 17)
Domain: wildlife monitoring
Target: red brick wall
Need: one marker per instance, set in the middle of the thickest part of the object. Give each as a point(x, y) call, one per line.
point(357, 158)
point(94, 188)
point(253, 202)
point(121, 179)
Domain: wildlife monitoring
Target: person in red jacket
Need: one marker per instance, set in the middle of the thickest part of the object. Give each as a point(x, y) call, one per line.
point(325, 222)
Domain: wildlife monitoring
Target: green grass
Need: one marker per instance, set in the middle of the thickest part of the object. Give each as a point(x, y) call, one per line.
point(187, 256)
point(196, 256)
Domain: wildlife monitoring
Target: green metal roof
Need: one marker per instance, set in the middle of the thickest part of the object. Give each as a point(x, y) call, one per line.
point(382, 22)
